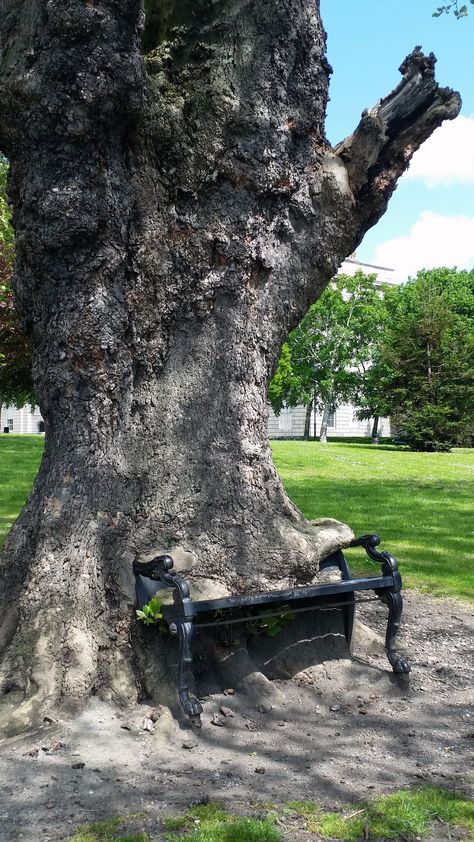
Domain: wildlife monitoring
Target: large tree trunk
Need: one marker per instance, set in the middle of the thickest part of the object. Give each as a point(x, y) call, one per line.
point(175, 216)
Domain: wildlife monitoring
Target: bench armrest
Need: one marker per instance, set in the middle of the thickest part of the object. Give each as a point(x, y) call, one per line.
point(387, 560)
point(158, 569)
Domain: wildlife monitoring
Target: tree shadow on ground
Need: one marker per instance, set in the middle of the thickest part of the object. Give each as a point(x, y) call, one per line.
point(350, 730)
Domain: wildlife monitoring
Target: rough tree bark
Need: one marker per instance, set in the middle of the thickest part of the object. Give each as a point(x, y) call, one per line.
point(177, 208)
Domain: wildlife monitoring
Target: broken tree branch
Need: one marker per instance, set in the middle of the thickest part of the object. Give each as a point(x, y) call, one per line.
point(390, 132)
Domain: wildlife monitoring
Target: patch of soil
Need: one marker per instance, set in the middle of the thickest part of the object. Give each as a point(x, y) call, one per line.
point(343, 730)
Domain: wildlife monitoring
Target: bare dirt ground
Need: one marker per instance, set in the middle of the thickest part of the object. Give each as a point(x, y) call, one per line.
point(344, 730)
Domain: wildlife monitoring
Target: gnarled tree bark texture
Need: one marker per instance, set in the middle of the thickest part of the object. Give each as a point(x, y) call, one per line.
point(177, 208)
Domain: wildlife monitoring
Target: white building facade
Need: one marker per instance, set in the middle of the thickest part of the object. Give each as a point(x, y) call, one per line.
point(23, 420)
point(290, 422)
point(342, 422)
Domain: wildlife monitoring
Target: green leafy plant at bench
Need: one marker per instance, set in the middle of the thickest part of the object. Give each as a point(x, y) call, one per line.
point(108, 830)
point(152, 615)
point(271, 624)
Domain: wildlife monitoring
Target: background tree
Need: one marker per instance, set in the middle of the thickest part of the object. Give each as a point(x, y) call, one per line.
point(325, 356)
point(16, 384)
point(372, 393)
point(425, 363)
point(177, 206)
point(372, 397)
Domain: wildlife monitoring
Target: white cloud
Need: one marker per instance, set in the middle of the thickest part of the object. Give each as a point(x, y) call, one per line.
point(447, 157)
point(434, 240)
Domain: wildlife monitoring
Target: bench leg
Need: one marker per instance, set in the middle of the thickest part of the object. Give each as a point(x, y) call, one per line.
point(189, 703)
point(349, 617)
point(394, 601)
point(338, 559)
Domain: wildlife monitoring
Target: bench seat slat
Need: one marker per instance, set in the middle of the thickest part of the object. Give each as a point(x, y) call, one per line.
point(288, 596)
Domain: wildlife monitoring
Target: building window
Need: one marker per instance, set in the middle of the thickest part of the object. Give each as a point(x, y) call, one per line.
point(332, 419)
point(285, 420)
point(10, 424)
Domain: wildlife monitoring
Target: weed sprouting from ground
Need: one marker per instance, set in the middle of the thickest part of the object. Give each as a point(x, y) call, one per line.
point(106, 831)
point(210, 823)
point(407, 814)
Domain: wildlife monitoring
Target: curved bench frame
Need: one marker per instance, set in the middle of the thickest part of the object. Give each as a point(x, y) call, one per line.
point(185, 614)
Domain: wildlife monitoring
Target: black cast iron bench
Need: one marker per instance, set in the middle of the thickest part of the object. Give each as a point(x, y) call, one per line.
point(185, 615)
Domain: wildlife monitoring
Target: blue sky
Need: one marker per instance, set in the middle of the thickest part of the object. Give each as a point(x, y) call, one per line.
point(430, 220)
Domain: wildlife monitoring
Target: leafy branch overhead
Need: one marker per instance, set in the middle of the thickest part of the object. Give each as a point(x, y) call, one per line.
point(454, 7)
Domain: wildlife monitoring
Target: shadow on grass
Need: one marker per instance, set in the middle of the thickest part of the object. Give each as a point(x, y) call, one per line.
point(359, 445)
point(428, 526)
point(420, 504)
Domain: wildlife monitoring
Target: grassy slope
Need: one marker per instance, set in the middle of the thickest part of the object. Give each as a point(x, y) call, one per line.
point(421, 504)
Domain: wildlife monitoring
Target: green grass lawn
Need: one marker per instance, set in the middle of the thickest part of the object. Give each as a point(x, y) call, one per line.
point(407, 814)
point(20, 457)
point(421, 504)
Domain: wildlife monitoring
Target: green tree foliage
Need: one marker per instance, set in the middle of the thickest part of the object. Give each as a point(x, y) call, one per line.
point(427, 360)
point(373, 385)
point(322, 361)
point(16, 385)
point(372, 396)
point(459, 10)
